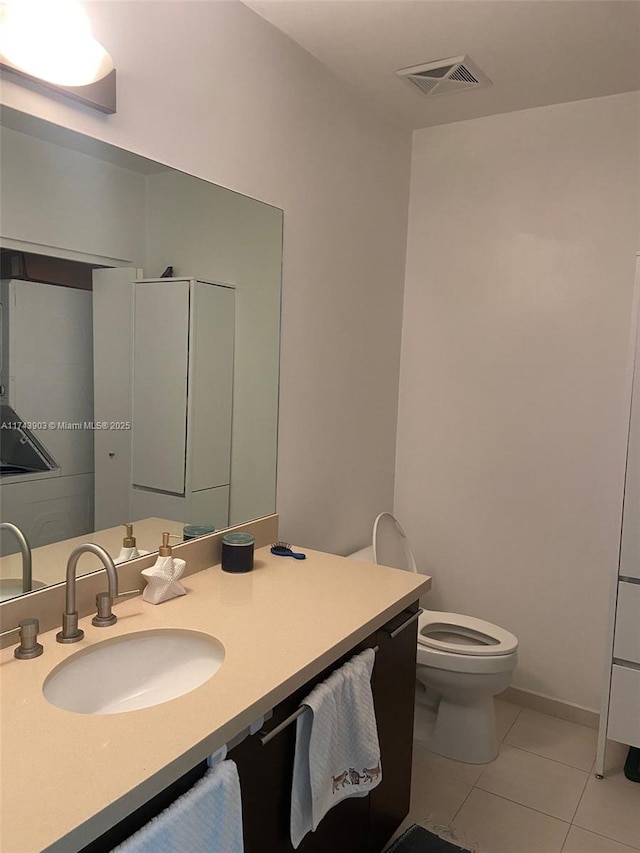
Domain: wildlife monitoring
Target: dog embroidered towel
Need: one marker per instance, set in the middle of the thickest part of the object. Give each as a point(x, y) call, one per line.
point(337, 750)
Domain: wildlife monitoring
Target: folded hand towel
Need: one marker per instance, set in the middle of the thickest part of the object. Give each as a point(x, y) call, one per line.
point(207, 818)
point(337, 750)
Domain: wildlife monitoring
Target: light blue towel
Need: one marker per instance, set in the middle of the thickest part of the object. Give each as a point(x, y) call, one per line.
point(207, 819)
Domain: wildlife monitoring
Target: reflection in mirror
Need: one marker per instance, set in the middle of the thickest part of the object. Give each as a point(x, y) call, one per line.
point(139, 317)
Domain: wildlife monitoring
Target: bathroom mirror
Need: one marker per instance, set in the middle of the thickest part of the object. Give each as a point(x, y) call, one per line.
point(140, 324)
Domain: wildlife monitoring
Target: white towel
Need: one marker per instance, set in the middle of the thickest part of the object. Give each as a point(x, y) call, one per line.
point(207, 818)
point(337, 750)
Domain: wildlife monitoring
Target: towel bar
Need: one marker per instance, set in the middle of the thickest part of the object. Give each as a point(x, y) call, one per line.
point(266, 737)
point(264, 740)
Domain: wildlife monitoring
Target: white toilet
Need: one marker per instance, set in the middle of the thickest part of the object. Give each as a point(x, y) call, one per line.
point(462, 663)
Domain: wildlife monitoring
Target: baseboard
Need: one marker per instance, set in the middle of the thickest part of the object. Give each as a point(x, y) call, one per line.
point(553, 707)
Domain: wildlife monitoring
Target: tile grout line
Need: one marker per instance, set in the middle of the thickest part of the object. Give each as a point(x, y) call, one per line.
point(515, 720)
point(581, 797)
point(522, 806)
point(474, 784)
point(622, 844)
point(593, 728)
point(575, 812)
point(553, 817)
point(471, 789)
point(566, 838)
point(546, 757)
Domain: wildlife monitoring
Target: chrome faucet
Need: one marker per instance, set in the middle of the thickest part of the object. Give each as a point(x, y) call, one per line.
point(70, 632)
point(26, 553)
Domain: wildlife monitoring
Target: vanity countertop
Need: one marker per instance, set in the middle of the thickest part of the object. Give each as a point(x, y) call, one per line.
point(67, 777)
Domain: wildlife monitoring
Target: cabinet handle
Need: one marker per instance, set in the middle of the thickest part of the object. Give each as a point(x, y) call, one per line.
point(410, 621)
point(264, 740)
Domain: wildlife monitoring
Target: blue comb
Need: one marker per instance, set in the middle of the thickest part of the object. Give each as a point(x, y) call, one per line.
point(283, 549)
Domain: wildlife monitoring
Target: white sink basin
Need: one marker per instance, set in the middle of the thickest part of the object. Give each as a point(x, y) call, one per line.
point(135, 671)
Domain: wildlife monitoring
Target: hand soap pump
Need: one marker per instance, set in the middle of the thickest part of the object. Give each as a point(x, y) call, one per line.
point(129, 550)
point(163, 577)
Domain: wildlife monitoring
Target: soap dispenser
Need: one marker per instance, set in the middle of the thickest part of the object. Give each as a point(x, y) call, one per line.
point(163, 577)
point(129, 550)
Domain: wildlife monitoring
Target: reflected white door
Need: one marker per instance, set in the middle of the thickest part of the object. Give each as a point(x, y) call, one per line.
point(112, 371)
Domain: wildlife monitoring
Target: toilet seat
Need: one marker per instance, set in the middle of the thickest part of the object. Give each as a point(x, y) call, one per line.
point(455, 634)
point(455, 663)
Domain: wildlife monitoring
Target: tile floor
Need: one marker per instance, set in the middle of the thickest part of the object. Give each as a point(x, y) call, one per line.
point(538, 796)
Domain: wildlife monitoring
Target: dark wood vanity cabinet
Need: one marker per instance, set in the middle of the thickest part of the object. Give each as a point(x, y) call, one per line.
point(356, 824)
point(266, 774)
point(394, 681)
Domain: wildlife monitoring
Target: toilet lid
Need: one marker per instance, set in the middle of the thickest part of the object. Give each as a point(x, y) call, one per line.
point(463, 635)
point(390, 544)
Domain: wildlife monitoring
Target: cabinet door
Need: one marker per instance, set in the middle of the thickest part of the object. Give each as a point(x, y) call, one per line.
point(160, 362)
point(211, 387)
point(125, 828)
point(112, 358)
point(263, 772)
point(626, 646)
point(266, 774)
point(624, 706)
point(394, 681)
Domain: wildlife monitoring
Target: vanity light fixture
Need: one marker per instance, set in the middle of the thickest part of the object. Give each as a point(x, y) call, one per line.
point(51, 42)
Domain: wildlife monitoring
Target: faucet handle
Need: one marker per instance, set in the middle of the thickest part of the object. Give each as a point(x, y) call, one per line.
point(29, 646)
point(105, 617)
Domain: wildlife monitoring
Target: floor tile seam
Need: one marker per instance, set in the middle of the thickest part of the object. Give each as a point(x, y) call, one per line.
point(575, 811)
point(555, 760)
point(469, 792)
point(586, 772)
point(566, 838)
point(606, 837)
point(530, 808)
point(443, 771)
point(515, 720)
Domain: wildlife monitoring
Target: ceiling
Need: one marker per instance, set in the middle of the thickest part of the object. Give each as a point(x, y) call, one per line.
point(535, 52)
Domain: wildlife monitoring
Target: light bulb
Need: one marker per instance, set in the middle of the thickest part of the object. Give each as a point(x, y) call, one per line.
point(52, 40)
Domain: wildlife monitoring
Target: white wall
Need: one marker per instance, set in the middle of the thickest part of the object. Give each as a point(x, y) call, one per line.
point(522, 234)
point(211, 88)
point(54, 196)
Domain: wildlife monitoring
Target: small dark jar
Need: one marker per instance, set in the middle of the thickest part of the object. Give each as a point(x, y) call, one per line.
point(237, 552)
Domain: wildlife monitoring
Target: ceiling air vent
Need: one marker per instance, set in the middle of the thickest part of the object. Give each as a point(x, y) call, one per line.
point(445, 76)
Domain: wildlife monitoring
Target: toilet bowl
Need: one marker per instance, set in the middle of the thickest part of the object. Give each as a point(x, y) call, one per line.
point(462, 663)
